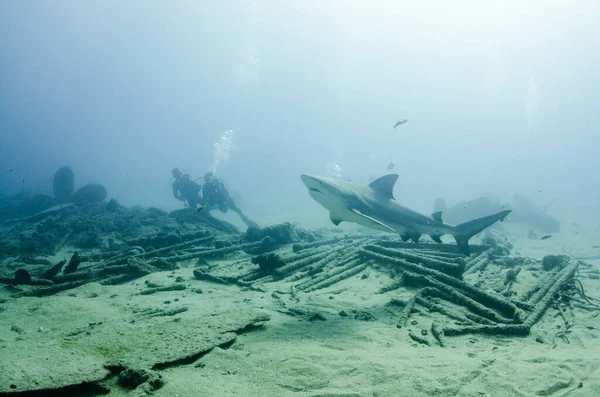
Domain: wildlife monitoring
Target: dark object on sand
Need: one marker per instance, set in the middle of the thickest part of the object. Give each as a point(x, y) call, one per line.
point(551, 261)
point(268, 262)
point(88, 194)
point(63, 184)
point(73, 263)
point(132, 378)
point(281, 234)
point(511, 275)
point(22, 276)
point(546, 237)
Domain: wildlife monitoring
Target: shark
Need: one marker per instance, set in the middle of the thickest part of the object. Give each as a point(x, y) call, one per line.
point(375, 207)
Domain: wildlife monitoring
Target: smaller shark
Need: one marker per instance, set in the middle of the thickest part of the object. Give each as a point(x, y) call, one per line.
point(374, 206)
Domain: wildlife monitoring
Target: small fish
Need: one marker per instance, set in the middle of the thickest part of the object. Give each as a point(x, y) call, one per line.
point(11, 170)
point(399, 122)
point(23, 180)
point(201, 208)
point(390, 166)
point(547, 236)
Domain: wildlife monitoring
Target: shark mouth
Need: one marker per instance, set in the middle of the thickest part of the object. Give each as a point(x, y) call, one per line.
point(312, 189)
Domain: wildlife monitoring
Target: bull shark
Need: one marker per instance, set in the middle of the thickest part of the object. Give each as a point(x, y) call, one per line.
point(375, 207)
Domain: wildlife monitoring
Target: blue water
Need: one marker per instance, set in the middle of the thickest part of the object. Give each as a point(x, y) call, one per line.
point(500, 99)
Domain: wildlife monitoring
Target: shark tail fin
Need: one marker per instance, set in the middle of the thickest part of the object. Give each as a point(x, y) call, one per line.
point(463, 232)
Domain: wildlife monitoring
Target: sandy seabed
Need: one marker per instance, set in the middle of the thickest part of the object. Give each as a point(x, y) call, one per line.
point(240, 341)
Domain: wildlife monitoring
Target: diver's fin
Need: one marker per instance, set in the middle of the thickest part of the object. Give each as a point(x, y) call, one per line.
point(374, 223)
point(463, 232)
point(437, 216)
point(385, 185)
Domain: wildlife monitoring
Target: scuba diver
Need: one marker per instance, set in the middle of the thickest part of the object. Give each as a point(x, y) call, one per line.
point(216, 195)
point(185, 189)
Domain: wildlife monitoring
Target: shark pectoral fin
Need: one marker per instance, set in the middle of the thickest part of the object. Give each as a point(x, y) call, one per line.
point(372, 222)
point(436, 238)
point(335, 219)
point(437, 216)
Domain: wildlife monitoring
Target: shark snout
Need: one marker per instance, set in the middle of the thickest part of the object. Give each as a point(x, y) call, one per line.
point(312, 183)
point(306, 179)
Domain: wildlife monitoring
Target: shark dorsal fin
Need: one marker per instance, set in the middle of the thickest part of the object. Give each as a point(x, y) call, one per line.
point(385, 185)
point(437, 216)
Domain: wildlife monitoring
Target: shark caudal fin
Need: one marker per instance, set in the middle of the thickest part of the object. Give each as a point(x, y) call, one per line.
point(463, 232)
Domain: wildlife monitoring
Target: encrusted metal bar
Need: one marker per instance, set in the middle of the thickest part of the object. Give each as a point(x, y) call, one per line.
point(526, 297)
point(302, 246)
point(502, 329)
point(558, 283)
point(336, 279)
point(422, 300)
point(332, 273)
point(451, 248)
point(437, 264)
point(214, 252)
point(445, 291)
point(493, 300)
point(438, 334)
point(543, 288)
point(479, 262)
point(286, 270)
point(154, 253)
point(551, 289)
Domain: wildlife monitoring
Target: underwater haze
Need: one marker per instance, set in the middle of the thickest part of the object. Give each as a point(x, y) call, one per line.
point(501, 98)
point(300, 198)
